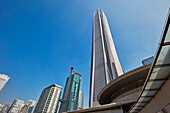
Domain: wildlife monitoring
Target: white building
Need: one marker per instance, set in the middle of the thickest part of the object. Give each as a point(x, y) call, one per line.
point(48, 101)
point(3, 80)
point(28, 107)
point(16, 106)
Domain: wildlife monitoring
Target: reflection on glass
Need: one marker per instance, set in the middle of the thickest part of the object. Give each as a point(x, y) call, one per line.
point(167, 38)
point(164, 56)
point(148, 93)
point(160, 73)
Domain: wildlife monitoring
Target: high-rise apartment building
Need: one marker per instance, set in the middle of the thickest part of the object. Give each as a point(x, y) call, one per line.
point(3, 80)
point(105, 65)
point(48, 101)
point(81, 100)
point(16, 106)
point(4, 108)
point(1, 106)
point(71, 92)
point(28, 107)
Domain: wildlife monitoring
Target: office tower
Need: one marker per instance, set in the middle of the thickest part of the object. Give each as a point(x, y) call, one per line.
point(48, 101)
point(16, 106)
point(28, 107)
point(4, 108)
point(105, 65)
point(3, 80)
point(81, 100)
point(71, 92)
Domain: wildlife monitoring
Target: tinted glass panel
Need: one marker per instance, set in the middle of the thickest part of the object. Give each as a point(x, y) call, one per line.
point(164, 56)
point(167, 38)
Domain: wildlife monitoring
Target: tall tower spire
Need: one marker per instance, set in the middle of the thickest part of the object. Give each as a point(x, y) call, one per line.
point(105, 64)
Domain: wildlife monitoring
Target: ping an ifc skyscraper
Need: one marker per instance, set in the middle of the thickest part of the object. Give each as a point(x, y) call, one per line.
point(105, 65)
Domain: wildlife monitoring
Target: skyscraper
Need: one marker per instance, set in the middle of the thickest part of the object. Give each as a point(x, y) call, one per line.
point(3, 80)
point(28, 107)
point(105, 64)
point(71, 92)
point(16, 106)
point(48, 101)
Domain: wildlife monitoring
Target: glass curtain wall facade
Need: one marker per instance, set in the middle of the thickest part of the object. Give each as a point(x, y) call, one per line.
point(71, 92)
point(105, 65)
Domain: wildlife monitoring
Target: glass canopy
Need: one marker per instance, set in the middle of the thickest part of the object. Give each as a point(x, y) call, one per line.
point(159, 71)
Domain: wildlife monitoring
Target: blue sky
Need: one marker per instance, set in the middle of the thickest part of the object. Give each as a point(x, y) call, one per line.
point(41, 40)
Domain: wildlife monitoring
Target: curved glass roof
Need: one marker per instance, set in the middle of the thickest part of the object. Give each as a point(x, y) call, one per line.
point(159, 71)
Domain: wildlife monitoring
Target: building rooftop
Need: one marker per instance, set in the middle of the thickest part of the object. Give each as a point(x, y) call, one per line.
point(3, 76)
point(53, 85)
point(105, 95)
point(101, 107)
